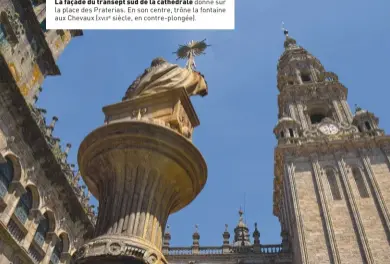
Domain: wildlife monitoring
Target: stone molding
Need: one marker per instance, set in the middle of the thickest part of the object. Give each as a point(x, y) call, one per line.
point(122, 163)
point(120, 246)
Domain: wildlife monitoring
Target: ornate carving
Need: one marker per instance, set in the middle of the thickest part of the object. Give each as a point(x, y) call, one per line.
point(138, 113)
point(312, 91)
point(115, 249)
point(170, 76)
point(82, 252)
point(150, 257)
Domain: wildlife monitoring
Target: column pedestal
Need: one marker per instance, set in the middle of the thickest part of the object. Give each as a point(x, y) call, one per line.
point(140, 172)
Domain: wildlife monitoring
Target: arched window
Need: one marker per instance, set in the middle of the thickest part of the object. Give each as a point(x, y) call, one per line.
point(24, 206)
point(282, 134)
point(305, 77)
point(43, 228)
point(334, 188)
point(316, 118)
point(367, 125)
point(291, 132)
point(357, 175)
point(6, 176)
point(57, 251)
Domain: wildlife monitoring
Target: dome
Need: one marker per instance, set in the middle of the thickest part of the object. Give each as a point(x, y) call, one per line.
point(241, 232)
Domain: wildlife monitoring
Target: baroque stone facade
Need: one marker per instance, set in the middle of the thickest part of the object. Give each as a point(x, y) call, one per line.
point(44, 214)
point(332, 171)
point(332, 166)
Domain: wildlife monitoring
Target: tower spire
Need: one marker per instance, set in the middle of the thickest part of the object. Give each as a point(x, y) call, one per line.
point(285, 31)
point(289, 43)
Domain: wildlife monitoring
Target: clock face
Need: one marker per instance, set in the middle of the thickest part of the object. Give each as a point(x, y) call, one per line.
point(329, 129)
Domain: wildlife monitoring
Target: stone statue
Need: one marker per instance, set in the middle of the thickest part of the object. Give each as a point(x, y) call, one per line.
point(162, 75)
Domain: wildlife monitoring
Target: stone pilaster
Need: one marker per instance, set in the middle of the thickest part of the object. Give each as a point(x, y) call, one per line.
point(324, 207)
point(366, 251)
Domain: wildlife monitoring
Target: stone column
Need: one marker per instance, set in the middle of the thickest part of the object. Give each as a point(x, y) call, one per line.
point(141, 170)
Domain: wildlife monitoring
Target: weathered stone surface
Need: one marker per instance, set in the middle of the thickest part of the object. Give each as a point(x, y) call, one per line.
point(147, 171)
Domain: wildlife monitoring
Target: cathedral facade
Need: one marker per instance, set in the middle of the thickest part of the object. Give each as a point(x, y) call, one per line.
point(44, 213)
point(331, 186)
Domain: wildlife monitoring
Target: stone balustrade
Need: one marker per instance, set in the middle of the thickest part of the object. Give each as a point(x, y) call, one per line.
point(264, 249)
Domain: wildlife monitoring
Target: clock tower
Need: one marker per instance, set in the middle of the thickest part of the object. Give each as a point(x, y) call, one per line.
point(332, 177)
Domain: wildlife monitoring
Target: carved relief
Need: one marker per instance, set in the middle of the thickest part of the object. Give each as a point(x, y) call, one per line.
point(114, 249)
point(150, 258)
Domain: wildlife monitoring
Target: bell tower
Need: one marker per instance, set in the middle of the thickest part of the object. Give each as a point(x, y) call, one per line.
point(332, 176)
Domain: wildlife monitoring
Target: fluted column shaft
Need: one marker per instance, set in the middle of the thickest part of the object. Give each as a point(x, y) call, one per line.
point(142, 199)
point(140, 173)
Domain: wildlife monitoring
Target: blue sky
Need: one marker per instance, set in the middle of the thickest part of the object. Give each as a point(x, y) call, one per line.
point(351, 38)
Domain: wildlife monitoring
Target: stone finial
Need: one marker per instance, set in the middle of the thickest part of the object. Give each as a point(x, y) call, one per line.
point(66, 151)
point(42, 111)
point(36, 96)
point(357, 108)
point(196, 233)
point(50, 128)
point(226, 236)
point(166, 240)
point(167, 235)
point(53, 122)
point(76, 178)
point(196, 236)
point(68, 146)
point(256, 236)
